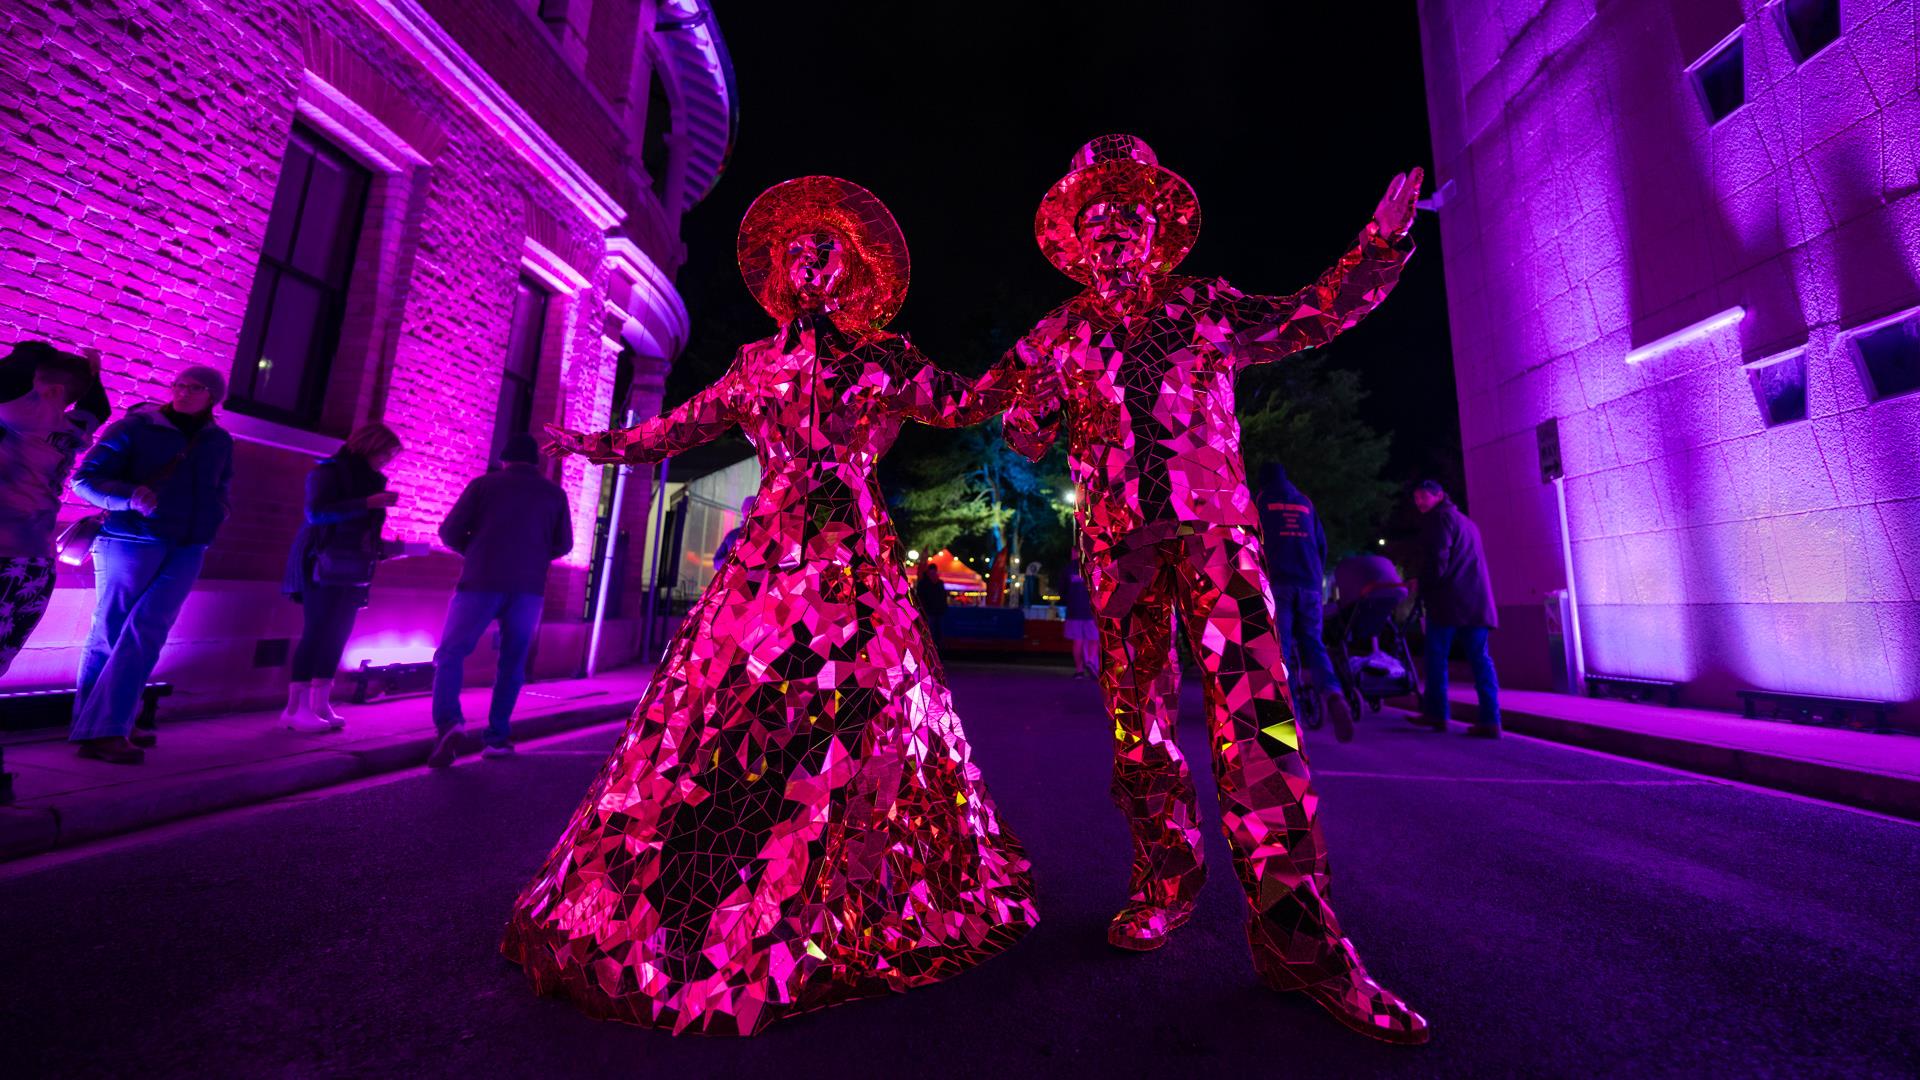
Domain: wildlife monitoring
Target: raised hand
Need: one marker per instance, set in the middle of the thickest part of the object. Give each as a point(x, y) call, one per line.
point(564, 441)
point(1394, 216)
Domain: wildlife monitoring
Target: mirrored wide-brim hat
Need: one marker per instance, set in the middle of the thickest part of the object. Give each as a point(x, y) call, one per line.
point(1117, 168)
point(877, 263)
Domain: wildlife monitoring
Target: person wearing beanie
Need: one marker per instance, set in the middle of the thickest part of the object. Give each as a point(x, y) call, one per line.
point(163, 475)
point(508, 526)
point(50, 404)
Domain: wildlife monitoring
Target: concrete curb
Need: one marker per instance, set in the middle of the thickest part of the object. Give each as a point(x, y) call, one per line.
point(67, 821)
point(1897, 796)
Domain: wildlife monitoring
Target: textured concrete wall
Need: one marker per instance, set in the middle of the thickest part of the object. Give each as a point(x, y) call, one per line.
point(143, 142)
point(1595, 211)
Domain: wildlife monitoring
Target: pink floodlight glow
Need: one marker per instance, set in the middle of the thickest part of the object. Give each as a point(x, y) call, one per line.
point(1689, 334)
point(390, 647)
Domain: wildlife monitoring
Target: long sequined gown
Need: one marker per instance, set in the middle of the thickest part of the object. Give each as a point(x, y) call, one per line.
point(792, 819)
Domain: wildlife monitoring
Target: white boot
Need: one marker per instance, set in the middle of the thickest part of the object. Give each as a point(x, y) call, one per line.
point(320, 703)
point(299, 715)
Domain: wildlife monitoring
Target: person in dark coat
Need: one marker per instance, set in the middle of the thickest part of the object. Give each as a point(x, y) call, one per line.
point(725, 549)
point(1458, 594)
point(1296, 551)
point(330, 568)
point(163, 474)
point(930, 596)
point(509, 525)
point(50, 404)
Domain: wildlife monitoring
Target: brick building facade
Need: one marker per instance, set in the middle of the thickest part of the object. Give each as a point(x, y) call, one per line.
point(453, 216)
point(1682, 251)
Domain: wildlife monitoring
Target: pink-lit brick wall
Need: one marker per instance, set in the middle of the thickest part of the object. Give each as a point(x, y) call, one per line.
point(1595, 210)
point(142, 145)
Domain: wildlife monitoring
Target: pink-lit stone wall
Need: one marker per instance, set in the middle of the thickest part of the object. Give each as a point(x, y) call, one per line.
point(1594, 210)
point(142, 143)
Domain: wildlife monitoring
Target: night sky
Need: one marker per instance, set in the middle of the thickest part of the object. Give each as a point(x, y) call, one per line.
point(961, 121)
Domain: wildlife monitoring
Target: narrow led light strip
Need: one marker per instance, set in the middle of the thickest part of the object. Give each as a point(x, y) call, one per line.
point(1729, 317)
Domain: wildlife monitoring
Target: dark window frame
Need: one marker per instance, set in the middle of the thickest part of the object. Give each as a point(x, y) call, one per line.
point(1780, 388)
point(270, 270)
point(1797, 48)
point(1709, 84)
point(1887, 374)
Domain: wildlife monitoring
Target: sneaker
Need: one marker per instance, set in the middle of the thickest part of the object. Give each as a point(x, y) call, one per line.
point(445, 748)
point(114, 750)
point(503, 750)
point(305, 722)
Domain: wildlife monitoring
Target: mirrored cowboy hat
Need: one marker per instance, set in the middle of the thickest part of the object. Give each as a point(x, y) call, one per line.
point(1117, 168)
point(875, 284)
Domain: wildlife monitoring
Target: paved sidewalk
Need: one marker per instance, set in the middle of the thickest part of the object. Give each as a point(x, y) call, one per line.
point(215, 763)
point(1874, 772)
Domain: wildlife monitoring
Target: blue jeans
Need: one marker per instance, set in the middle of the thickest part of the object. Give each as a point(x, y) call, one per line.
point(139, 589)
point(468, 616)
point(1439, 644)
point(1298, 613)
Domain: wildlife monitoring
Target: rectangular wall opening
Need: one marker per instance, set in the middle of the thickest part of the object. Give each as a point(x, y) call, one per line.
point(1889, 356)
point(1780, 388)
point(1721, 79)
point(1808, 25)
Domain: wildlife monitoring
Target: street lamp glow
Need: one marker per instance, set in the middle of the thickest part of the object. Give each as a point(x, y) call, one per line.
point(1071, 498)
point(1383, 541)
point(913, 556)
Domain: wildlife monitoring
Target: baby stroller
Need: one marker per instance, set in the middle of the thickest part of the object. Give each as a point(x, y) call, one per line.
point(1368, 644)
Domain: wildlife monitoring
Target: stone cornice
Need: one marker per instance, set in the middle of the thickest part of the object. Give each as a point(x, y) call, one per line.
point(416, 32)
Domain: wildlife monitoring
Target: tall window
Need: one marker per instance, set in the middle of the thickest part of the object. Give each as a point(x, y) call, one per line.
point(654, 151)
point(299, 292)
point(523, 363)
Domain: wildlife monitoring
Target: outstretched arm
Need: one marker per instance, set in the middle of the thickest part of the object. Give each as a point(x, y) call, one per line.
point(939, 398)
point(1267, 328)
point(1039, 400)
point(700, 419)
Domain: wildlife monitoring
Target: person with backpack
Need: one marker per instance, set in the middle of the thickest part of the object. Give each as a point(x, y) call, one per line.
point(162, 473)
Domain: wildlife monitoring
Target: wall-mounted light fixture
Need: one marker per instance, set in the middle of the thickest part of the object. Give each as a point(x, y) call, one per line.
point(1688, 334)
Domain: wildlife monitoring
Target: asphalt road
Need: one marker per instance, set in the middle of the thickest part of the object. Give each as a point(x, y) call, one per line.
point(1552, 912)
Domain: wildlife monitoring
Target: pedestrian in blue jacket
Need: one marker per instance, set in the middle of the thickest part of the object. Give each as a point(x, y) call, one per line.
point(1296, 549)
point(163, 474)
